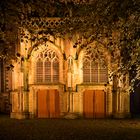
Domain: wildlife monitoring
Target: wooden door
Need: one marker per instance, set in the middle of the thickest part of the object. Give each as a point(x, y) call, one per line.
point(54, 103)
point(48, 104)
point(42, 104)
point(99, 104)
point(94, 104)
point(88, 104)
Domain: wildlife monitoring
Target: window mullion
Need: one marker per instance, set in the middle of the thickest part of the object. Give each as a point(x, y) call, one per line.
point(35, 75)
point(51, 71)
point(98, 73)
point(90, 72)
point(43, 69)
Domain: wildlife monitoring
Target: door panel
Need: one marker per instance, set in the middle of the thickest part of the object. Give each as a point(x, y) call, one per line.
point(52, 103)
point(88, 103)
point(48, 103)
point(94, 104)
point(42, 104)
point(57, 104)
point(47, 98)
point(99, 104)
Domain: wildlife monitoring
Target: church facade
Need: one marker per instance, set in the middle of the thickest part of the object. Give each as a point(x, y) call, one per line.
point(52, 79)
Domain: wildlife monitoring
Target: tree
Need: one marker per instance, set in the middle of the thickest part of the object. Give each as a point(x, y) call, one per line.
point(113, 23)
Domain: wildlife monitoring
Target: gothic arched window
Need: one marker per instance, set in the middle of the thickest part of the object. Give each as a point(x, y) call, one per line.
point(39, 72)
point(47, 67)
point(94, 67)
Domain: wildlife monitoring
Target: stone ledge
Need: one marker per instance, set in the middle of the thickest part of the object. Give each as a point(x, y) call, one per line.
point(19, 115)
point(121, 115)
point(71, 115)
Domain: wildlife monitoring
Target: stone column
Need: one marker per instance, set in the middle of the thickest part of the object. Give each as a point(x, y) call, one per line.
point(118, 113)
point(25, 90)
point(109, 102)
point(121, 99)
point(117, 110)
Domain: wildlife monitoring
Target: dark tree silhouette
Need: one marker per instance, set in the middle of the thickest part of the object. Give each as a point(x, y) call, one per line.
point(113, 23)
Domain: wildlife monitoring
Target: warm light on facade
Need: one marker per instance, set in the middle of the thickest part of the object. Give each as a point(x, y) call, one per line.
point(50, 85)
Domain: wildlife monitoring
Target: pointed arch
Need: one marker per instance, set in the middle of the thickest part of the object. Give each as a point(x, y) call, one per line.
point(94, 63)
point(94, 66)
point(40, 43)
point(47, 64)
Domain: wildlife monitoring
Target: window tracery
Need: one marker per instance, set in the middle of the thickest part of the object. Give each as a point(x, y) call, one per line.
point(47, 67)
point(94, 66)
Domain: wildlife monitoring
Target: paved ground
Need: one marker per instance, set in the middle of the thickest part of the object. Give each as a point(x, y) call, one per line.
point(66, 129)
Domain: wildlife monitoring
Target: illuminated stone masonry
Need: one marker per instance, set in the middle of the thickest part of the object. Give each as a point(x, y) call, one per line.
point(53, 79)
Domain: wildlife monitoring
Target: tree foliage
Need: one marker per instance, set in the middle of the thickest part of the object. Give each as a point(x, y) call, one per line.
point(113, 23)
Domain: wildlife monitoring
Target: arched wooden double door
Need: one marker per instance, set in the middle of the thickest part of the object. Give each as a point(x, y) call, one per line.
point(48, 103)
point(94, 104)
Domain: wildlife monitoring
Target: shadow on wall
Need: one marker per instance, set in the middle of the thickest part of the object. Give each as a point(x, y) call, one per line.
point(135, 100)
point(5, 106)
